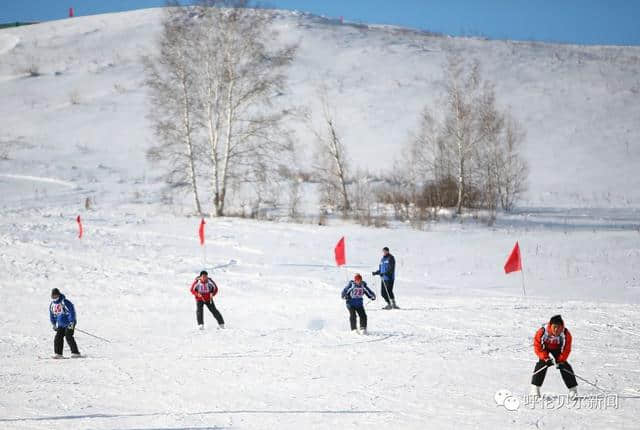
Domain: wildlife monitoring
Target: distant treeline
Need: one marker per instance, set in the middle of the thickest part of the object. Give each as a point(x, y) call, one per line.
point(15, 24)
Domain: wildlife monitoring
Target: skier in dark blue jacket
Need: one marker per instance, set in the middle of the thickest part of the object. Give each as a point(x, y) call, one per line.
point(387, 272)
point(62, 315)
point(353, 293)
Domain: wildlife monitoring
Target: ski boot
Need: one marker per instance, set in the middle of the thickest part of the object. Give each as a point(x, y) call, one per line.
point(534, 392)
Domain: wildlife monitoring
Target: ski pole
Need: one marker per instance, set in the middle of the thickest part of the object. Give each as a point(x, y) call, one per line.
point(582, 379)
point(93, 335)
point(385, 288)
point(540, 370)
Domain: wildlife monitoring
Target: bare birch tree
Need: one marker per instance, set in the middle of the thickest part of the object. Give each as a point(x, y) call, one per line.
point(471, 119)
point(470, 144)
point(240, 77)
point(172, 79)
point(331, 160)
point(513, 170)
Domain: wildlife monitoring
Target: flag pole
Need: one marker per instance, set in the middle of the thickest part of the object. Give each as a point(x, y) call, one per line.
point(522, 272)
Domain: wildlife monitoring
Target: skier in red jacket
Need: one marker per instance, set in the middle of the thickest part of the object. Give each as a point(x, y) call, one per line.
point(203, 288)
point(556, 340)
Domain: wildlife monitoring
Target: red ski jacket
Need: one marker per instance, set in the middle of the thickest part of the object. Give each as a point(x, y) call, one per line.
point(544, 342)
point(204, 292)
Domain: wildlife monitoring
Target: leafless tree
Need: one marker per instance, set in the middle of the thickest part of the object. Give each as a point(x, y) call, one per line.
point(171, 78)
point(295, 198)
point(213, 87)
point(471, 119)
point(241, 75)
point(469, 146)
point(331, 156)
point(425, 160)
point(513, 170)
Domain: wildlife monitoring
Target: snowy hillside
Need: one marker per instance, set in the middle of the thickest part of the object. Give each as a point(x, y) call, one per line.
point(579, 105)
point(286, 358)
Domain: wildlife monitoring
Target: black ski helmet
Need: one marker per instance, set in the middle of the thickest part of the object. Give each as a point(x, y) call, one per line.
point(556, 319)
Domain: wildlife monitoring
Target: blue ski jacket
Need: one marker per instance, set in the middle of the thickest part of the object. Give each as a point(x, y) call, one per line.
point(387, 268)
point(61, 312)
point(353, 293)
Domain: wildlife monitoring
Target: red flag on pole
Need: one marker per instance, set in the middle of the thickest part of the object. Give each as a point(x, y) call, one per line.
point(514, 263)
point(201, 231)
point(70, 12)
point(341, 258)
point(79, 221)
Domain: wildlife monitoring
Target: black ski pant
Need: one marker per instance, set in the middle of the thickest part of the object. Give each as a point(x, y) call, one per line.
point(212, 307)
point(389, 288)
point(565, 370)
point(63, 333)
point(353, 310)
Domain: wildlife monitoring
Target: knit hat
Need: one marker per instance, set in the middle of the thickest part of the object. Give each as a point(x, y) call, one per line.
point(357, 277)
point(55, 293)
point(556, 319)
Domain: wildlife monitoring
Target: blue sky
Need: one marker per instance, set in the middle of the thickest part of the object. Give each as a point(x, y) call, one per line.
point(611, 22)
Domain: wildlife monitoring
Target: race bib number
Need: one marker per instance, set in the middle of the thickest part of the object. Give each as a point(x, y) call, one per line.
point(357, 292)
point(202, 288)
point(57, 309)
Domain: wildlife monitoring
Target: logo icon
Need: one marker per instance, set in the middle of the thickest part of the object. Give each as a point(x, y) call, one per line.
point(507, 399)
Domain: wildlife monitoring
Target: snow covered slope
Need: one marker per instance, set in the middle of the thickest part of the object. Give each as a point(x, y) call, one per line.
point(287, 359)
point(579, 105)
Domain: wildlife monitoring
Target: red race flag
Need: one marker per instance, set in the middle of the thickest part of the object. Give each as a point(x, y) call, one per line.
point(79, 221)
point(514, 263)
point(201, 231)
point(341, 258)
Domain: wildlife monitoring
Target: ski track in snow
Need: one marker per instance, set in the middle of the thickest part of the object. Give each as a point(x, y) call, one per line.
point(39, 179)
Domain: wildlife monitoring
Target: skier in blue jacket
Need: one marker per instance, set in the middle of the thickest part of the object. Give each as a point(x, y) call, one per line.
point(387, 272)
point(353, 293)
point(62, 315)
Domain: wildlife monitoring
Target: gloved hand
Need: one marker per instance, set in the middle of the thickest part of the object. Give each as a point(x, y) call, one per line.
point(377, 272)
point(53, 326)
point(559, 365)
point(549, 362)
point(71, 326)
